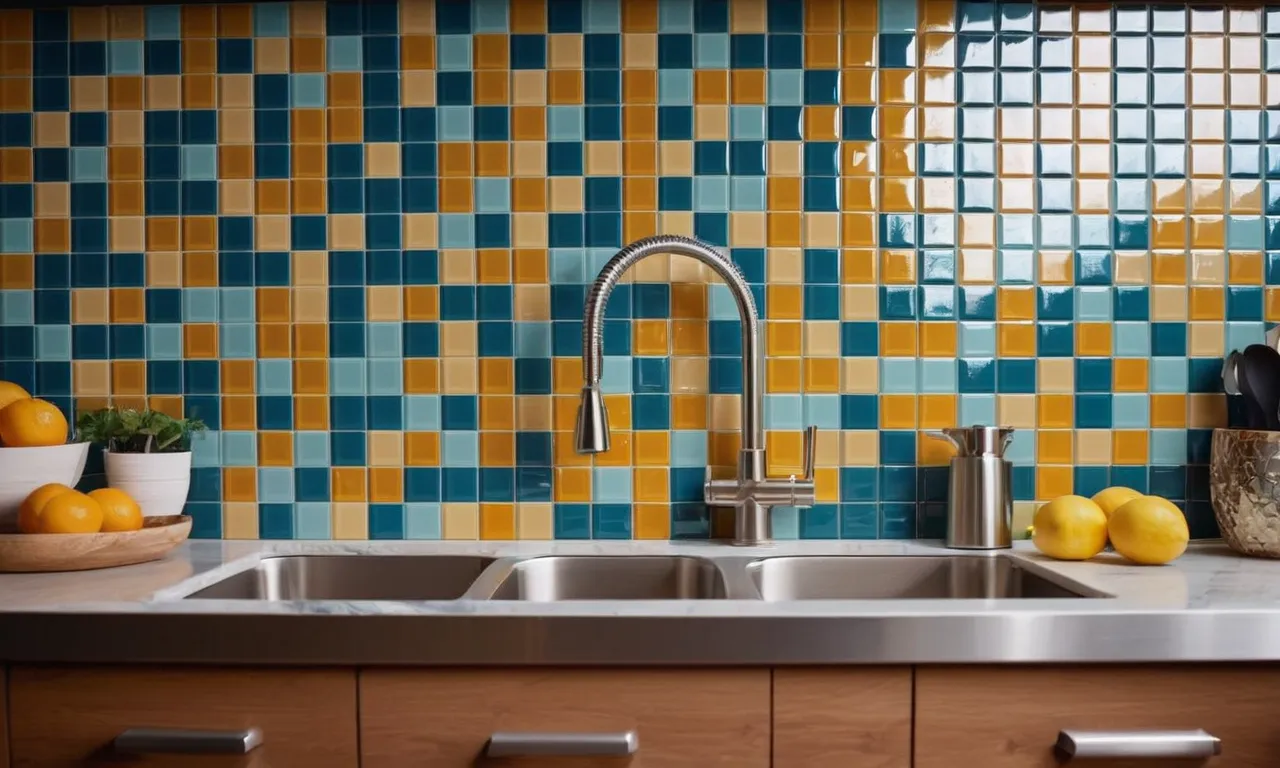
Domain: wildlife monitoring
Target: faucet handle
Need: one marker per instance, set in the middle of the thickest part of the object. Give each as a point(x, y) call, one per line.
point(810, 449)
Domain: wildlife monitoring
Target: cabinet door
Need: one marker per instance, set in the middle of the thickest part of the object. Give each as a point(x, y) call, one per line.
point(1010, 717)
point(842, 717)
point(65, 716)
point(684, 717)
point(4, 722)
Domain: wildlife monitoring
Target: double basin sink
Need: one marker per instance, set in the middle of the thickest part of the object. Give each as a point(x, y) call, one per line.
point(640, 577)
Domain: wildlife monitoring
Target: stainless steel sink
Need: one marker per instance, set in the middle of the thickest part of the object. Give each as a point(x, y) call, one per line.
point(902, 578)
point(351, 577)
point(548, 579)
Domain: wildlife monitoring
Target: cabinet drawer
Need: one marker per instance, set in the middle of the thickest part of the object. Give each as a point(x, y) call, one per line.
point(840, 717)
point(1010, 717)
point(680, 717)
point(64, 716)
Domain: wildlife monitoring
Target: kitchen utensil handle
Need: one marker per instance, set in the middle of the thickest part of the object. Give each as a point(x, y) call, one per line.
point(180, 741)
point(555, 744)
point(1112, 745)
point(810, 450)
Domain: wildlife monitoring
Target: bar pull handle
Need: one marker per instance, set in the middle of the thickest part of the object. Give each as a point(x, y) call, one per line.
point(810, 450)
point(179, 741)
point(1103, 745)
point(555, 744)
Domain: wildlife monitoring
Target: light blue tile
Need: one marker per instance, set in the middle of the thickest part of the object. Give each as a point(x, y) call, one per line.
point(453, 53)
point(898, 16)
point(1169, 375)
point(721, 304)
point(1017, 267)
point(822, 411)
point(688, 448)
point(421, 521)
point(938, 229)
point(124, 57)
point(786, 523)
point(747, 123)
point(53, 342)
point(237, 341)
point(239, 449)
point(493, 195)
point(675, 15)
point(1169, 447)
point(270, 20)
point(164, 342)
point(938, 376)
point(568, 266)
point(422, 413)
point(1093, 303)
point(1132, 339)
point(199, 162)
point(1055, 231)
point(275, 377)
point(1130, 410)
point(611, 484)
point(275, 484)
point(312, 520)
point(1241, 334)
point(345, 54)
point(16, 236)
point(1132, 195)
point(615, 376)
point(1244, 233)
point(307, 91)
point(206, 449)
point(383, 340)
point(88, 163)
point(977, 339)
point(236, 305)
point(346, 377)
point(898, 375)
point(386, 377)
point(488, 16)
point(747, 193)
point(1093, 231)
point(533, 339)
point(164, 22)
point(17, 308)
point(564, 123)
point(783, 411)
point(602, 16)
point(1022, 448)
point(711, 193)
point(1017, 229)
point(596, 259)
point(786, 87)
point(711, 50)
point(454, 123)
point(199, 305)
point(977, 409)
point(675, 87)
point(459, 449)
point(457, 230)
point(311, 449)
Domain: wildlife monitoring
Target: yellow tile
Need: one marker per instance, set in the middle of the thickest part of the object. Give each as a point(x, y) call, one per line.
point(898, 339)
point(573, 484)
point(1016, 339)
point(651, 448)
point(896, 267)
point(1093, 339)
point(1129, 446)
point(1055, 411)
point(1244, 268)
point(650, 484)
point(350, 520)
point(937, 411)
point(1016, 303)
point(1208, 231)
point(497, 522)
point(784, 451)
point(1169, 410)
point(931, 452)
point(938, 339)
point(1093, 446)
point(619, 453)
point(1271, 306)
point(822, 374)
point(1055, 446)
point(1169, 268)
point(239, 520)
point(1169, 195)
point(534, 521)
point(652, 521)
point(897, 411)
point(1052, 482)
point(782, 375)
point(1130, 374)
point(783, 339)
point(650, 337)
point(785, 302)
point(1168, 232)
point(460, 521)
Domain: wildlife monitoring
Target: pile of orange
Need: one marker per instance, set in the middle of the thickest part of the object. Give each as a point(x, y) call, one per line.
point(27, 422)
point(56, 508)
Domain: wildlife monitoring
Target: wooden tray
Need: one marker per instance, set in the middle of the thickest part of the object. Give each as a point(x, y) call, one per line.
point(27, 552)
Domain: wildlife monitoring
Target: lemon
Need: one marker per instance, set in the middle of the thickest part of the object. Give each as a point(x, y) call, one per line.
point(31, 509)
point(1070, 528)
point(71, 512)
point(10, 392)
point(1111, 498)
point(1149, 530)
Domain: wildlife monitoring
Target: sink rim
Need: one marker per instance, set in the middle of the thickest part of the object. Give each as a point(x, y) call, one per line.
point(497, 575)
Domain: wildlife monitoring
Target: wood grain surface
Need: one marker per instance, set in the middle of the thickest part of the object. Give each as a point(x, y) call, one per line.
point(838, 717)
point(42, 552)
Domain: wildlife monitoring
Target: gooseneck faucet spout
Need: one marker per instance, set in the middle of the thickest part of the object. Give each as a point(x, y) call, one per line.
point(752, 494)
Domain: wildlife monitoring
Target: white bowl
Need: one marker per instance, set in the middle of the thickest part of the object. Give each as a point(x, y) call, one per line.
point(22, 470)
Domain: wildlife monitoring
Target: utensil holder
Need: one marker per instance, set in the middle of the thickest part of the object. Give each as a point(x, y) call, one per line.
point(1244, 488)
point(980, 508)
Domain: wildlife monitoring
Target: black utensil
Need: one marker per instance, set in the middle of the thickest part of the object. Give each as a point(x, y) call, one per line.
point(1259, 380)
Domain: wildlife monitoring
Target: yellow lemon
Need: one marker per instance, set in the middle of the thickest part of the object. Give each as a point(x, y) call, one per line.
point(33, 506)
point(1149, 530)
point(10, 392)
point(119, 511)
point(1111, 498)
point(72, 512)
point(27, 423)
point(1070, 528)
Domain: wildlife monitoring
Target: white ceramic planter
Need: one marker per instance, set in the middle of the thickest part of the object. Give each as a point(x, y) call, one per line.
point(157, 481)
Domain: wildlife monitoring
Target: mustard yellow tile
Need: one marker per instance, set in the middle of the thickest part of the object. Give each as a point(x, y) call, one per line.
point(897, 267)
point(1016, 410)
point(1168, 302)
point(1093, 339)
point(239, 520)
point(1207, 410)
point(931, 452)
point(1055, 411)
point(1055, 375)
point(785, 302)
point(1093, 446)
point(619, 453)
point(784, 451)
point(1016, 303)
point(1207, 195)
point(861, 375)
point(350, 520)
point(897, 411)
point(782, 375)
point(1169, 232)
point(652, 521)
point(858, 266)
point(497, 521)
point(898, 339)
point(1016, 339)
point(1271, 304)
point(860, 448)
point(1129, 447)
point(650, 484)
point(1130, 374)
point(534, 521)
point(1169, 195)
point(650, 337)
point(822, 374)
point(460, 520)
point(1244, 196)
point(938, 339)
point(938, 411)
point(1055, 446)
point(1169, 410)
point(1208, 231)
point(782, 339)
point(724, 449)
point(1052, 482)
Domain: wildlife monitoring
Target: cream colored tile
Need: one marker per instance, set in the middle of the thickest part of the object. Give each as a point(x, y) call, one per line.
point(1016, 410)
point(384, 303)
point(688, 375)
point(459, 376)
point(1168, 302)
point(724, 413)
point(1055, 375)
point(639, 50)
point(675, 158)
point(386, 449)
point(686, 269)
point(860, 448)
point(1133, 268)
point(235, 197)
point(532, 302)
point(676, 223)
point(460, 521)
point(533, 413)
point(239, 520)
point(529, 230)
point(529, 158)
point(822, 338)
point(310, 268)
point(458, 339)
point(711, 122)
point(651, 269)
point(457, 267)
point(311, 305)
point(529, 88)
point(350, 520)
point(421, 230)
point(860, 375)
point(1093, 446)
point(784, 265)
point(603, 158)
point(91, 378)
point(859, 302)
point(748, 229)
point(821, 230)
point(1206, 339)
point(534, 521)
point(1208, 268)
point(564, 194)
point(90, 305)
point(564, 51)
point(346, 231)
point(826, 449)
point(786, 158)
point(271, 233)
point(164, 270)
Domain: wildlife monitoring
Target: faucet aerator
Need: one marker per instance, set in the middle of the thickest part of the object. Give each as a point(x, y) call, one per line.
point(591, 435)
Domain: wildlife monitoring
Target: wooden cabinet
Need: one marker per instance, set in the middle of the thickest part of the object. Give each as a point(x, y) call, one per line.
point(682, 717)
point(65, 716)
point(841, 717)
point(1009, 717)
point(4, 722)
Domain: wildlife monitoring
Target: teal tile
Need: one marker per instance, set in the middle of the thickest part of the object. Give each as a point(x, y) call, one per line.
point(711, 50)
point(898, 16)
point(783, 412)
point(747, 122)
point(533, 339)
point(1169, 375)
point(568, 265)
point(199, 162)
point(88, 163)
point(938, 376)
point(457, 230)
point(311, 449)
point(453, 53)
point(421, 413)
point(489, 16)
point(822, 411)
point(1131, 339)
point(786, 523)
point(206, 449)
point(345, 54)
point(307, 91)
point(493, 195)
point(236, 305)
point(1017, 267)
point(1017, 230)
point(275, 377)
point(721, 304)
point(602, 16)
point(675, 15)
point(1244, 233)
point(237, 341)
point(1241, 334)
point(239, 449)
point(275, 484)
point(17, 308)
point(16, 236)
point(977, 409)
point(386, 377)
point(785, 87)
point(200, 305)
point(53, 342)
point(124, 57)
point(1168, 447)
point(270, 19)
point(675, 87)
point(977, 339)
point(164, 22)
point(898, 375)
point(688, 448)
point(454, 123)
point(421, 521)
point(1130, 410)
point(1093, 303)
point(459, 449)
point(711, 193)
point(312, 520)
point(615, 376)
point(1022, 448)
point(564, 123)
point(347, 377)
point(747, 193)
point(1056, 231)
point(611, 484)
point(383, 340)
point(164, 342)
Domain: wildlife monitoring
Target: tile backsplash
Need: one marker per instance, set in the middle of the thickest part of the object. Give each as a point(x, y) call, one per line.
point(356, 240)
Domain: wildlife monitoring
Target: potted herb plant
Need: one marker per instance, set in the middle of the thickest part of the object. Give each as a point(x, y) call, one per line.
point(147, 455)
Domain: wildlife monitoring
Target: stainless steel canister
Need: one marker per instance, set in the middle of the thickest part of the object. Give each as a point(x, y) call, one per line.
point(980, 494)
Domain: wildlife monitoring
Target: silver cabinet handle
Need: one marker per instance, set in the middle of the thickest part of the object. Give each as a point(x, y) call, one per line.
point(1093, 745)
point(542, 744)
point(177, 741)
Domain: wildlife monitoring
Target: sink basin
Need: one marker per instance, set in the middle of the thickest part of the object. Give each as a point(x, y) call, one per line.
point(903, 578)
point(548, 579)
point(351, 577)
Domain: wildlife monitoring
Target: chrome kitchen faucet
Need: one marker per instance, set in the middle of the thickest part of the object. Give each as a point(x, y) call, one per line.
point(752, 494)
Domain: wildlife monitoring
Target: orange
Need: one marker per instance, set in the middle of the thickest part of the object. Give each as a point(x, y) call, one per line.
point(27, 423)
point(72, 512)
point(9, 392)
point(33, 506)
point(119, 511)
